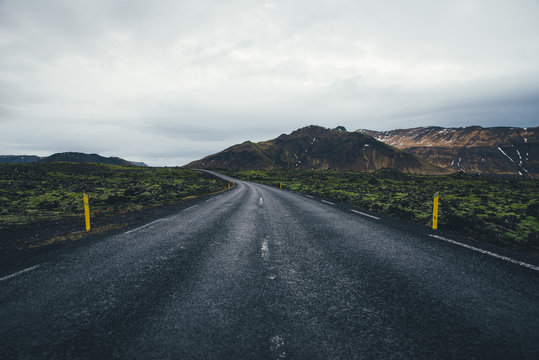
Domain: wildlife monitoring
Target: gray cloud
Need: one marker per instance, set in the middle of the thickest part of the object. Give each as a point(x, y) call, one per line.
point(171, 81)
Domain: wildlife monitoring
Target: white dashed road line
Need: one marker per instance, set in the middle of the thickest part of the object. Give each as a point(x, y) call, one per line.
point(328, 202)
point(367, 215)
point(309, 196)
point(264, 249)
point(189, 208)
point(277, 347)
point(19, 272)
point(505, 258)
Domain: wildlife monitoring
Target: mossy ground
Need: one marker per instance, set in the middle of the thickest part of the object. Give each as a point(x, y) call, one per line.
point(498, 210)
point(504, 211)
point(51, 191)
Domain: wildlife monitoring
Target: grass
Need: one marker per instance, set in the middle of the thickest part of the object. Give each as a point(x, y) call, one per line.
point(504, 211)
point(50, 191)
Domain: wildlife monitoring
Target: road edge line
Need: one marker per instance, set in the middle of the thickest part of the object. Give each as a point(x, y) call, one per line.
point(19, 272)
point(362, 213)
point(486, 252)
point(143, 226)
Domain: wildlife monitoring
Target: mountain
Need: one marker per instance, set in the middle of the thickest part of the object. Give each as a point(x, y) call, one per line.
point(18, 159)
point(84, 158)
point(317, 148)
point(474, 149)
point(67, 157)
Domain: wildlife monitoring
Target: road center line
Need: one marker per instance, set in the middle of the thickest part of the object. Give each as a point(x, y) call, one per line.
point(328, 202)
point(367, 215)
point(19, 272)
point(309, 196)
point(276, 346)
point(505, 258)
point(189, 208)
point(264, 249)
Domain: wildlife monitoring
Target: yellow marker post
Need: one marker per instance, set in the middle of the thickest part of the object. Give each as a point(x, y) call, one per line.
point(229, 185)
point(435, 212)
point(280, 185)
point(86, 211)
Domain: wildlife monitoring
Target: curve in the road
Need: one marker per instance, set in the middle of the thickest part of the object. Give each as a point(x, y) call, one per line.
point(258, 272)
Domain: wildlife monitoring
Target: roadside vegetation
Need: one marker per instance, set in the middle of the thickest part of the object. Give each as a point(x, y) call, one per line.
point(49, 191)
point(504, 211)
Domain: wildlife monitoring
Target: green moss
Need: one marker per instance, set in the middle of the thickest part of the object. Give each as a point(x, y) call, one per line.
point(33, 192)
point(498, 210)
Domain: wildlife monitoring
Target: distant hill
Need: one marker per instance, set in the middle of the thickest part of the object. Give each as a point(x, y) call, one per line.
point(138, 163)
point(67, 157)
point(18, 159)
point(474, 149)
point(77, 157)
point(317, 148)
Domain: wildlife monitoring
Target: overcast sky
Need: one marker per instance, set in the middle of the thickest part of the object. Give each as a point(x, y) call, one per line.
point(170, 81)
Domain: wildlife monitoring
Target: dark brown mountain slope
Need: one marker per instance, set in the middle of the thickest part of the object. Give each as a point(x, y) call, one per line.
point(474, 149)
point(317, 148)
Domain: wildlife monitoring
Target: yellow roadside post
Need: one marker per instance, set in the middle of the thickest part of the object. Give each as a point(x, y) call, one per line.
point(86, 211)
point(435, 212)
point(280, 185)
point(229, 185)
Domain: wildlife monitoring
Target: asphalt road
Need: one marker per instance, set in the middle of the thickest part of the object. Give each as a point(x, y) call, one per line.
point(260, 273)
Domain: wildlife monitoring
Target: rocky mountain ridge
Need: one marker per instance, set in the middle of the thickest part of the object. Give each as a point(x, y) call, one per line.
point(474, 149)
point(317, 148)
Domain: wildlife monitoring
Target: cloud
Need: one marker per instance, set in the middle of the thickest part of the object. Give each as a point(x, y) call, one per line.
point(182, 79)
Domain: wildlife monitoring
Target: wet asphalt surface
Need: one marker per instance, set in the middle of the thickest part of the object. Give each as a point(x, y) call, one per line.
point(260, 273)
